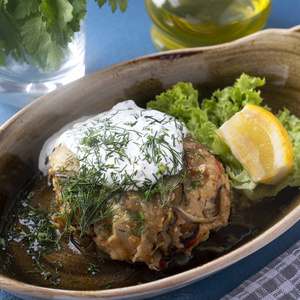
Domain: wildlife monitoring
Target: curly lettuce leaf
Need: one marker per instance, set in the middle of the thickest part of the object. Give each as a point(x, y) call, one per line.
point(202, 121)
point(225, 103)
point(182, 103)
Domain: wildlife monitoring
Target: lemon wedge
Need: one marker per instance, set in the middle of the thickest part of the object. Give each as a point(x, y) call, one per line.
point(260, 142)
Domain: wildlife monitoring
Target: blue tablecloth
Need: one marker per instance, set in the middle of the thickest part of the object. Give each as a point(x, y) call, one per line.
point(113, 38)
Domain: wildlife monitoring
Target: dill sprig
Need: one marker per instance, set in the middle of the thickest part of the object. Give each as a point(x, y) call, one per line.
point(138, 220)
point(86, 201)
point(88, 198)
point(94, 269)
point(109, 165)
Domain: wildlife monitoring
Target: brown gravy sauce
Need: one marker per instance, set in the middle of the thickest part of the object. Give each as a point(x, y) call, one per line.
point(247, 220)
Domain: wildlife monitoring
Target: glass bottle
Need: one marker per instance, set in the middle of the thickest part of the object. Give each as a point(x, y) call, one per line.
point(192, 23)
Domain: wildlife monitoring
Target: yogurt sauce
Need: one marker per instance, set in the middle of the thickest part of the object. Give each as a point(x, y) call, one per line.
point(128, 144)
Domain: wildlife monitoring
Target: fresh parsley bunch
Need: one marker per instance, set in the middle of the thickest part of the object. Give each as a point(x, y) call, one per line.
point(37, 32)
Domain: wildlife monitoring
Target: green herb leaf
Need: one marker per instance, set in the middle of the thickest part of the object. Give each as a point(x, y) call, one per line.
point(79, 12)
point(94, 269)
point(123, 4)
point(38, 32)
point(10, 34)
point(39, 45)
point(2, 53)
point(57, 14)
point(23, 9)
point(114, 4)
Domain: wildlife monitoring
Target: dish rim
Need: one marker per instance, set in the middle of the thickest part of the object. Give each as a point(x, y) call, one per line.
point(184, 278)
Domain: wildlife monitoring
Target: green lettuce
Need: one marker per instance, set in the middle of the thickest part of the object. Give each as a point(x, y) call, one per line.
point(203, 119)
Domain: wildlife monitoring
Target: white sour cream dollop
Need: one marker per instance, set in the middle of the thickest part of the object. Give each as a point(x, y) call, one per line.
point(126, 142)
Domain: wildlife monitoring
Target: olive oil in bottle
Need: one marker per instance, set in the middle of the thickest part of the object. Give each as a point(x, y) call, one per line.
point(193, 23)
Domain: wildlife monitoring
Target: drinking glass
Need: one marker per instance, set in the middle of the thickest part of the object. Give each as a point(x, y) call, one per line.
point(21, 83)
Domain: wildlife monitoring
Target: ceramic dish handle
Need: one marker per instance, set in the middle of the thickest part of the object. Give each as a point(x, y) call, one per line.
point(296, 29)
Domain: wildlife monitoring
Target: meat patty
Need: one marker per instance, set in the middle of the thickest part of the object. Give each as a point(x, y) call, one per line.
point(173, 220)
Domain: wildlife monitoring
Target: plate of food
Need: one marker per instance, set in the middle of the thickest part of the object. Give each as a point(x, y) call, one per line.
point(154, 173)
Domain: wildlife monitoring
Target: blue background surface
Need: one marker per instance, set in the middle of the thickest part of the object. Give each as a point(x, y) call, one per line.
point(113, 38)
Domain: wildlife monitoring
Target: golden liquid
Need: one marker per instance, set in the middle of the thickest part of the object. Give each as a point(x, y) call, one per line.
point(192, 23)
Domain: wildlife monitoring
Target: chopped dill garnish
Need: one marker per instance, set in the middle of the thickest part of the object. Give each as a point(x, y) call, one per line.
point(34, 230)
point(136, 152)
point(94, 269)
